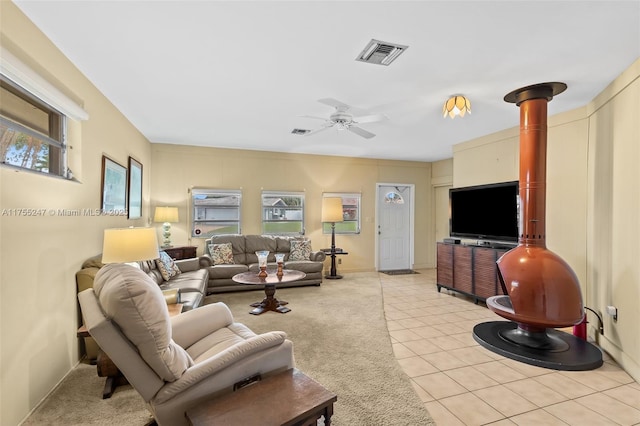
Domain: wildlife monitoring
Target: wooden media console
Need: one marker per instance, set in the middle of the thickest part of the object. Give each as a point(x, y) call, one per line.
point(469, 269)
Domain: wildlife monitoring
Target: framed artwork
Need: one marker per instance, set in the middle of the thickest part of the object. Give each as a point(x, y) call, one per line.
point(134, 198)
point(113, 186)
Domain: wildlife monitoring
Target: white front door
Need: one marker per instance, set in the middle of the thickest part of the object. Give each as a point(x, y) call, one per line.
point(394, 226)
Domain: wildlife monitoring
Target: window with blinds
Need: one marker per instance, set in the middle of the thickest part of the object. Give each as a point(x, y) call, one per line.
point(31, 132)
point(215, 212)
point(282, 213)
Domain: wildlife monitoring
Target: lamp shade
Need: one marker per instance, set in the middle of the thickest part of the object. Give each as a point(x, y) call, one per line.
point(166, 214)
point(332, 209)
point(123, 245)
point(456, 105)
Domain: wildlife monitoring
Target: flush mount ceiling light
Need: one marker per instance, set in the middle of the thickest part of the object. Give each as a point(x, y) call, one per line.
point(456, 105)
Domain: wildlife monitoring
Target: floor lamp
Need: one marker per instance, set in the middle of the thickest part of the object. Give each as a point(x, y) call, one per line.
point(332, 213)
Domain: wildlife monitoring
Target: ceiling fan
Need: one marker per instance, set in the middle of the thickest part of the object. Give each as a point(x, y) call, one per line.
point(342, 119)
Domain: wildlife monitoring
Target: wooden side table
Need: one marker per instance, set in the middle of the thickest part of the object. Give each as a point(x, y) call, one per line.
point(288, 398)
point(182, 252)
point(333, 274)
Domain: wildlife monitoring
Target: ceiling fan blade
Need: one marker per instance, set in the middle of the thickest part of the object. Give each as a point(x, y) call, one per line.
point(314, 117)
point(334, 103)
point(325, 127)
point(360, 132)
point(370, 118)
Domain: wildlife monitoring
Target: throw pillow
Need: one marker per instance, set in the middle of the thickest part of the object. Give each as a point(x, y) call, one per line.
point(167, 266)
point(300, 250)
point(222, 254)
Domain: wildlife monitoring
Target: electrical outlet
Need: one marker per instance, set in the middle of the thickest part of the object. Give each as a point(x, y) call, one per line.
point(339, 261)
point(612, 311)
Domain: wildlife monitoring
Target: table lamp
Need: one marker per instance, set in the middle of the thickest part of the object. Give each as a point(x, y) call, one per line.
point(332, 212)
point(122, 245)
point(167, 215)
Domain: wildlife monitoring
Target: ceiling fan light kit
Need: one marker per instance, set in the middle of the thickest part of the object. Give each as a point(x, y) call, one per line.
point(456, 105)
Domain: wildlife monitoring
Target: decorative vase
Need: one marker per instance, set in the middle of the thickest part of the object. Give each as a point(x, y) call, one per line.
point(280, 261)
point(262, 262)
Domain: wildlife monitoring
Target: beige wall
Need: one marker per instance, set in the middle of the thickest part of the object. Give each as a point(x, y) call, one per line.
point(593, 201)
point(178, 168)
point(441, 181)
point(613, 215)
point(488, 159)
point(40, 255)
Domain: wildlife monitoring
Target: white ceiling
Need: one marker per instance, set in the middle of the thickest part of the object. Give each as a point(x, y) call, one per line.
point(239, 74)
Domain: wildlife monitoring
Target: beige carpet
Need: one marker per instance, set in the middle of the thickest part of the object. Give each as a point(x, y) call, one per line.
point(78, 401)
point(340, 339)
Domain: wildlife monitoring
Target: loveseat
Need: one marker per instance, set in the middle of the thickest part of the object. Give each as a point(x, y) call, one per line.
point(228, 255)
point(190, 283)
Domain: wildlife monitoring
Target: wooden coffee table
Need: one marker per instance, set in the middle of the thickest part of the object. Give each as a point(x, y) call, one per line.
point(288, 398)
point(269, 303)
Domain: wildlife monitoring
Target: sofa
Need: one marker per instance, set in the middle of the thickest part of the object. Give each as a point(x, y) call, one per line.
point(191, 282)
point(189, 286)
point(223, 265)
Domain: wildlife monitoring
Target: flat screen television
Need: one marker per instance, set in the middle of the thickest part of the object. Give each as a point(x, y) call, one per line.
point(485, 212)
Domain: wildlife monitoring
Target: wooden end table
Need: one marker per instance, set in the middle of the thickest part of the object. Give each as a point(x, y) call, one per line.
point(333, 275)
point(288, 398)
point(180, 252)
point(269, 303)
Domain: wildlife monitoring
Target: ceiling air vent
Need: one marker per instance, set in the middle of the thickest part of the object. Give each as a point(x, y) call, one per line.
point(380, 52)
point(300, 131)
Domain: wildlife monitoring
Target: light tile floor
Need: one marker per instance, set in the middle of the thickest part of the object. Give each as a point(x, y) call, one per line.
point(461, 383)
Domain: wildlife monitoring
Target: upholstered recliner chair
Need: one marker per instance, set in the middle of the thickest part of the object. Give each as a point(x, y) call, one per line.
point(174, 363)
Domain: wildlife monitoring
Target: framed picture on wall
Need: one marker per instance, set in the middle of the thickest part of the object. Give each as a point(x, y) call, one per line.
point(134, 199)
point(113, 186)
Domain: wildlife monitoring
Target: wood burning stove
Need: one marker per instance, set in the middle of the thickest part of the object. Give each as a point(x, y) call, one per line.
point(542, 292)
